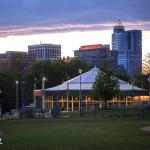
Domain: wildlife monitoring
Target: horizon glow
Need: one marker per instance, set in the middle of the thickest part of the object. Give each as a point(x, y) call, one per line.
point(68, 40)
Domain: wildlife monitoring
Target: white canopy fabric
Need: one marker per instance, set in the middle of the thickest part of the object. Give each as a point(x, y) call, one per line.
point(87, 80)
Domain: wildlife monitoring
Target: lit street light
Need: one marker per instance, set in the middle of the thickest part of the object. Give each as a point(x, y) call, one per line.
point(149, 87)
point(17, 83)
point(80, 101)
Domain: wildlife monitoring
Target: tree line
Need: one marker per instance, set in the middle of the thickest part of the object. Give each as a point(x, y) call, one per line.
point(55, 72)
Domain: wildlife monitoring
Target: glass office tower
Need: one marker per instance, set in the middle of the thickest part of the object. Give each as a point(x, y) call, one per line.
point(129, 48)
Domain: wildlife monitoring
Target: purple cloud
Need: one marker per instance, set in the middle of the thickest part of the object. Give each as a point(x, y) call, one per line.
point(42, 16)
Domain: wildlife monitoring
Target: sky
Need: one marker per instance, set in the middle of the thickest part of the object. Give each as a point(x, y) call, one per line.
point(70, 23)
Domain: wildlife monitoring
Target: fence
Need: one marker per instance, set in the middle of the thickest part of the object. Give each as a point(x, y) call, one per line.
point(136, 110)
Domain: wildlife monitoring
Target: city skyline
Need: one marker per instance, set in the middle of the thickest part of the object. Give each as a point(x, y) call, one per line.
point(69, 23)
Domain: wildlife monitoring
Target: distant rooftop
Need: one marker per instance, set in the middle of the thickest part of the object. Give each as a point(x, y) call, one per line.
point(44, 44)
point(94, 46)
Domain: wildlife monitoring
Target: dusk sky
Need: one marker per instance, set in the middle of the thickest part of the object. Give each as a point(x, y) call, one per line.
point(71, 23)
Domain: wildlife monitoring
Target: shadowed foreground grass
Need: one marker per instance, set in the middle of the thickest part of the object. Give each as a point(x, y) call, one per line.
point(89, 134)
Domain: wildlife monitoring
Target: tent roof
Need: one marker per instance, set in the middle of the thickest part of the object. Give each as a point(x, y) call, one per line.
point(87, 80)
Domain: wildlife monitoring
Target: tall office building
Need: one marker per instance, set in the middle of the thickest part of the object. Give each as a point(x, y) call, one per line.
point(45, 51)
point(97, 54)
point(128, 44)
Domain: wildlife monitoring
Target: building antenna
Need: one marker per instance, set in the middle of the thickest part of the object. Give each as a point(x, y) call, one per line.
point(119, 22)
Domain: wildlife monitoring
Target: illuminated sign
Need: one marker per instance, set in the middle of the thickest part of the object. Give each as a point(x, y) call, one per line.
point(88, 47)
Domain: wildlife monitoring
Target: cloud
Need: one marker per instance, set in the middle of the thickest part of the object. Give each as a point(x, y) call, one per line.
point(42, 16)
point(26, 30)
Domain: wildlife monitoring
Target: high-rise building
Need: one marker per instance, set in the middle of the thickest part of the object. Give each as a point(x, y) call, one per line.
point(45, 51)
point(128, 44)
point(97, 55)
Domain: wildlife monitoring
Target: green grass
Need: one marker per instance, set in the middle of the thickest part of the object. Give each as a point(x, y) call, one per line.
point(75, 134)
point(121, 112)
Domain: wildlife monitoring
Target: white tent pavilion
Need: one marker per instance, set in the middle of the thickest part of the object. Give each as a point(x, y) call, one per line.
point(67, 93)
point(87, 80)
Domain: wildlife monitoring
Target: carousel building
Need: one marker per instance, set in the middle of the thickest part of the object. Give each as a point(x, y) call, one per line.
point(75, 92)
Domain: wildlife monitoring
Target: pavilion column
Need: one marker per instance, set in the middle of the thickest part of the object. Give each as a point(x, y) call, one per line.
point(93, 102)
point(113, 101)
point(86, 99)
point(90, 103)
point(100, 104)
point(139, 99)
point(52, 102)
point(67, 103)
point(119, 101)
point(126, 101)
point(49, 104)
point(72, 106)
point(62, 101)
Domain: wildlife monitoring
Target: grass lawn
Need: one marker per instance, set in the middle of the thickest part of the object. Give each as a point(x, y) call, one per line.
point(121, 112)
point(75, 134)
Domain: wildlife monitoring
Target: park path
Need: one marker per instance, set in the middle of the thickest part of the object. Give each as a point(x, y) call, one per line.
point(146, 128)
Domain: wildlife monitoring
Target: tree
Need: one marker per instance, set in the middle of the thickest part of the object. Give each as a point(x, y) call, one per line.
point(122, 76)
point(142, 81)
point(56, 72)
point(146, 64)
point(106, 86)
point(7, 87)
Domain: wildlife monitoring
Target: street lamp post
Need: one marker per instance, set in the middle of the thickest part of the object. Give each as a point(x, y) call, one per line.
point(17, 83)
point(149, 87)
point(67, 95)
point(34, 99)
point(80, 101)
point(22, 97)
point(43, 92)
point(132, 91)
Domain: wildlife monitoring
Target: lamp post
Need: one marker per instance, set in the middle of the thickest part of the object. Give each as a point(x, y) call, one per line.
point(22, 97)
point(67, 95)
point(34, 99)
point(43, 92)
point(80, 102)
point(149, 87)
point(17, 83)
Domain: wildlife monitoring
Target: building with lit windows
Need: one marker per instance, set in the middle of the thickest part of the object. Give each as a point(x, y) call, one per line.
point(97, 55)
point(45, 51)
point(128, 44)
